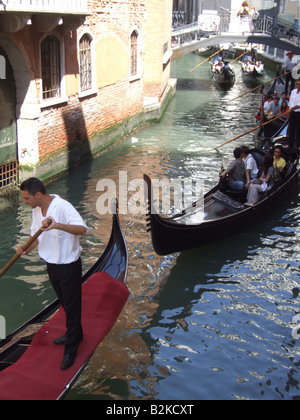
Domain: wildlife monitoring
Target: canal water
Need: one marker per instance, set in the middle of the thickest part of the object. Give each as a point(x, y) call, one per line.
point(212, 323)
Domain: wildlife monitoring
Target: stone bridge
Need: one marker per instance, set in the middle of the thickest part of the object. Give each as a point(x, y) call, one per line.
point(187, 39)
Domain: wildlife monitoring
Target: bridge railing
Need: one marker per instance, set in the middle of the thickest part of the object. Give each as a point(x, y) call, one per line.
point(231, 23)
point(267, 25)
point(264, 25)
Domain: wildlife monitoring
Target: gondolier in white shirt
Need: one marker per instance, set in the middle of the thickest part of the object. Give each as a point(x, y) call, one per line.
point(59, 247)
point(288, 67)
point(294, 120)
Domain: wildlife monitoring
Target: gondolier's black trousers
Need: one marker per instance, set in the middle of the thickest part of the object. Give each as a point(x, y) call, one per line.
point(294, 129)
point(289, 79)
point(66, 281)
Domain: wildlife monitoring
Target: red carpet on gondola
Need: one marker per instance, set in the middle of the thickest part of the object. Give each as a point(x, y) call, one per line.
point(37, 374)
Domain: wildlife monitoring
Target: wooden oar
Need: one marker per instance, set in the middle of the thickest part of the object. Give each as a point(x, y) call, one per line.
point(253, 129)
point(24, 247)
point(257, 87)
point(206, 60)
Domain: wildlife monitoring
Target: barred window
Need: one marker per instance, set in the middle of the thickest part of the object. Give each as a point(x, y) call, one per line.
point(85, 63)
point(51, 67)
point(134, 54)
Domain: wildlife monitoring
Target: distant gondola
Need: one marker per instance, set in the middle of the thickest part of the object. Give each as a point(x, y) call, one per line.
point(223, 214)
point(222, 73)
point(21, 376)
point(251, 67)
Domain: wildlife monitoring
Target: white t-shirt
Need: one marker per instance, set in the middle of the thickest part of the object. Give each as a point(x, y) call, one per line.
point(56, 246)
point(251, 164)
point(289, 64)
point(295, 100)
point(267, 106)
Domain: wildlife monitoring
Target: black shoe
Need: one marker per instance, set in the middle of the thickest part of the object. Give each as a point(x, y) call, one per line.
point(67, 362)
point(59, 341)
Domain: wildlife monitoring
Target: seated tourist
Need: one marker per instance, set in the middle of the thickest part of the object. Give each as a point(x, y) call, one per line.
point(279, 164)
point(284, 109)
point(264, 183)
point(251, 166)
point(267, 105)
point(274, 108)
point(283, 98)
point(236, 171)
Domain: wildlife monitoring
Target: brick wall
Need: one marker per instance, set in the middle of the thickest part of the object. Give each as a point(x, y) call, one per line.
point(63, 127)
point(74, 120)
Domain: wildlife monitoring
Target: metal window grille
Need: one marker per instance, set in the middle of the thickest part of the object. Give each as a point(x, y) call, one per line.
point(8, 174)
point(134, 55)
point(51, 73)
point(85, 60)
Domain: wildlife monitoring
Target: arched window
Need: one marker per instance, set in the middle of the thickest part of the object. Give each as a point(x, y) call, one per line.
point(134, 54)
point(85, 63)
point(51, 67)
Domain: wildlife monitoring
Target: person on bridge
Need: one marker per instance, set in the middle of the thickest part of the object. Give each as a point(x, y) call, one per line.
point(254, 14)
point(294, 120)
point(288, 67)
point(244, 15)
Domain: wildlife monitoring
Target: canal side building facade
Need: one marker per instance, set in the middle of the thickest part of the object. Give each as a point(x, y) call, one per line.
point(77, 76)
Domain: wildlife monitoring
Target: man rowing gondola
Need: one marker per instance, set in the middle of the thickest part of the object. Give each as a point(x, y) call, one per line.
point(59, 247)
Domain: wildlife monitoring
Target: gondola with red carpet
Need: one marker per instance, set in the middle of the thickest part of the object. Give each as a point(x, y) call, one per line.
point(30, 363)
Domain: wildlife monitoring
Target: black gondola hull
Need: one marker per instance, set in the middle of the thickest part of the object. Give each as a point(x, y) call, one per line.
point(169, 237)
